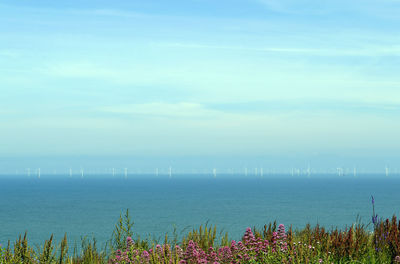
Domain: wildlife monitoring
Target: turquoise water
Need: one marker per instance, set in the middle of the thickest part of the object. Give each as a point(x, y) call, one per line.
point(92, 206)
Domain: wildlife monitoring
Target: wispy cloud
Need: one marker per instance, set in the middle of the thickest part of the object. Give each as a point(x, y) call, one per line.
point(364, 51)
point(109, 13)
point(382, 9)
point(299, 6)
point(170, 110)
point(309, 106)
point(250, 110)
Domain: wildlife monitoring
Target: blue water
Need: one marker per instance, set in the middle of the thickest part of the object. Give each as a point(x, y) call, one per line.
point(91, 207)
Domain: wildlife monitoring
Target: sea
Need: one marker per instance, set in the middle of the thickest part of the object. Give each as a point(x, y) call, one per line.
point(90, 207)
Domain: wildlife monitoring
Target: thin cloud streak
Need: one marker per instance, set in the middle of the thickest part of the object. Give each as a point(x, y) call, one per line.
point(191, 110)
point(110, 13)
point(390, 50)
point(170, 110)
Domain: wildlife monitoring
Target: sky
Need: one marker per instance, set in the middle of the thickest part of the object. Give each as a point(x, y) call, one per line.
point(225, 83)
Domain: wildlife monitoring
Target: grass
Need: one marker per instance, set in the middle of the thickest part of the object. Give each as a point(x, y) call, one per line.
point(271, 244)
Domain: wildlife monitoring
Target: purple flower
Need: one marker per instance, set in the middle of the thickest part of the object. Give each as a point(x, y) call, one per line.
point(248, 236)
point(146, 255)
point(281, 232)
point(372, 200)
point(129, 242)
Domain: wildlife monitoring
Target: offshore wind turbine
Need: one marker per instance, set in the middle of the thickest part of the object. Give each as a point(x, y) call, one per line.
point(215, 172)
point(38, 173)
point(255, 171)
point(70, 172)
point(82, 173)
point(261, 172)
point(387, 171)
point(354, 172)
point(170, 172)
point(157, 172)
point(126, 173)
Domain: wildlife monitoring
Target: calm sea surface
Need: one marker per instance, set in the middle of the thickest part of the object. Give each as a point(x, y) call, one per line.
point(91, 207)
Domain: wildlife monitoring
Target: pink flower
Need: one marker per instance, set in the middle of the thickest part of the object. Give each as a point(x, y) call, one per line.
point(281, 232)
point(248, 236)
point(129, 242)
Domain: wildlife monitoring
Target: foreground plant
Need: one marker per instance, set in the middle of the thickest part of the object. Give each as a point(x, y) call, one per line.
point(272, 244)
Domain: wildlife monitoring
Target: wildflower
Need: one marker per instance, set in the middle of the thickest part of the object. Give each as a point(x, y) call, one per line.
point(397, 259)
point(225, 254)
point(241, 246)
point(146, 255)
point(179, 251)
point(281, 232)
point(159, 249)
point(375, 219)
point(248, 236)
point(320, 260)
point(212, 256)
point(129, 242)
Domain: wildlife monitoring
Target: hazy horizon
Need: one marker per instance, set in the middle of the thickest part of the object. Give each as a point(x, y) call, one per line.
point(137, 165)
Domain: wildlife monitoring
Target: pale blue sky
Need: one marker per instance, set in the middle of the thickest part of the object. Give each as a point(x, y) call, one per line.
point(200, 78)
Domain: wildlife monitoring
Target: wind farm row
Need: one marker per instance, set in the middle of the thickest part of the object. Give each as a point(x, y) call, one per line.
point(171, 172)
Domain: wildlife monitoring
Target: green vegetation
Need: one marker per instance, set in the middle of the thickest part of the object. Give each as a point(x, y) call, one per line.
point(272, 244)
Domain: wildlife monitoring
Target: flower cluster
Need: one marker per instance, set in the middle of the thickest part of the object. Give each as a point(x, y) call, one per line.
point(249, 249)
